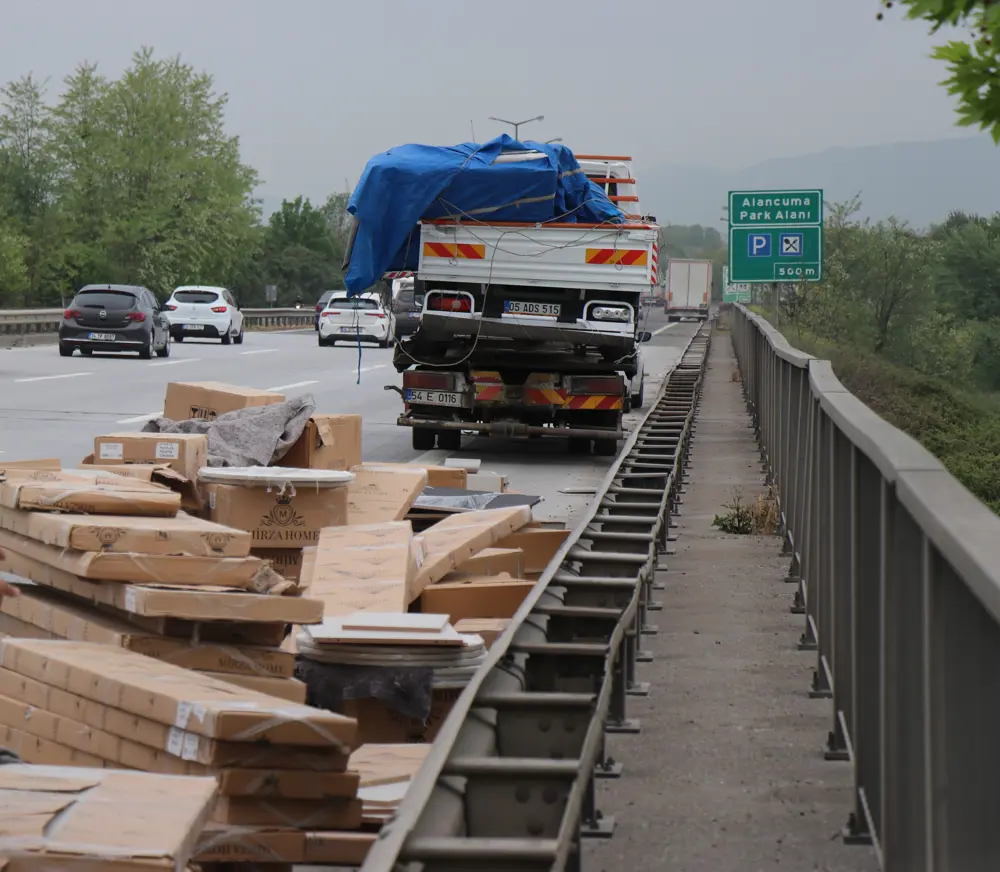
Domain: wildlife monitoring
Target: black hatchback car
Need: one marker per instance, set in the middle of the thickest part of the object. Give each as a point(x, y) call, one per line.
point(115, 318)
point(407, 304)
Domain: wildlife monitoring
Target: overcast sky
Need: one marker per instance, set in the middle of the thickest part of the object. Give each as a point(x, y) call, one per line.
point(318, 86)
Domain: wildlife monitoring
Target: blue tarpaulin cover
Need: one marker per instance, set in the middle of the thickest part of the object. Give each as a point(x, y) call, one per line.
point(403, 185)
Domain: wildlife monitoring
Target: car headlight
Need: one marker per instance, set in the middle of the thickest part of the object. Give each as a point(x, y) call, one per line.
point(610, 313)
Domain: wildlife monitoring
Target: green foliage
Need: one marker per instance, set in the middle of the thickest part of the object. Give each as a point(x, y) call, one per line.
point(136, 180)
point(972, 64)
point(911, 323)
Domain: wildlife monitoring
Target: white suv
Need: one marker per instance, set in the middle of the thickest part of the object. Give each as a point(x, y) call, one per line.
point(196, 310)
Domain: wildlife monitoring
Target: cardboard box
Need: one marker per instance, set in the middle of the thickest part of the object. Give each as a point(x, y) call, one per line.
point(64, 619)
point(285, 688)
point(72, 819)
point(328, 442)
point(437, 476)
point(539, 546)
point(364, 568)
point(380, 494)
point(494, 561)
point(287, 562)
point(475, 597)
point(158, 473)
point(89, 492)
point(237, 572)
point(208, 400)
point(304, 814)
point(189, 701)
point(249, 844)
point(185, 453)
point(276, 520)
point(187, 603)
point(124, 534)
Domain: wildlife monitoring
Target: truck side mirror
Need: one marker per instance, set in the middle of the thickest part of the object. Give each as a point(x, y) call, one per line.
point(645, 336)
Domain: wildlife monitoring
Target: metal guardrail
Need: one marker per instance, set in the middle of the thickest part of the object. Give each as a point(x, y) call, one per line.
point(508, 785)
point(14, 322)
point(898, 573)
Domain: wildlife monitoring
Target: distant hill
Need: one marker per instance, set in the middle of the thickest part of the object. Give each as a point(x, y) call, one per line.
point(918, 181)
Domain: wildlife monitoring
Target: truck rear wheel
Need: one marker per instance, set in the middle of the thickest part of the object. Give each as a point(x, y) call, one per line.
point(449, 440)
point(423, 439)
point(605, 447)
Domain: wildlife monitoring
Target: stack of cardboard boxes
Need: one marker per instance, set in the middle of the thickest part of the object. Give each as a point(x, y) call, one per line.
point(145, 571)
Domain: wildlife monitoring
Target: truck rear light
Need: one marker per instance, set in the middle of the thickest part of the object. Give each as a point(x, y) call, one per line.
point(704, 297)
point(602, 385)
point(610, 313)
point(434, 381)
point(449, 303)
point(670, 296)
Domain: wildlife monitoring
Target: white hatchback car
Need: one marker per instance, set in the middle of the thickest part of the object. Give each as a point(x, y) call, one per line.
point(212, 313)
point(348, 319)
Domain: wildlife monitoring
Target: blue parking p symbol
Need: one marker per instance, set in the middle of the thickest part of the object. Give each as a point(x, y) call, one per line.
point(759, 245)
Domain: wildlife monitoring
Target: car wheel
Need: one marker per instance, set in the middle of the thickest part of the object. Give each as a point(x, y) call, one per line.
point(146, 352)
point(423, 439)
point(383, 343)
point(239, 336)
point(227, 337)
point(165, 351)
point(86, 352)
point(65, 350)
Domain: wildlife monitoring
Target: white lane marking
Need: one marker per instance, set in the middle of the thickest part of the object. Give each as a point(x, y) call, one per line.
point(140, 419)
point(51, 377)
point(293, 385)
point(377, 366)
point(665, 327)
point(261, 351)
point(176, 362)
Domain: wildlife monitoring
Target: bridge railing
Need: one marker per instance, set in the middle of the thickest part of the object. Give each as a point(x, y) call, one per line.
point(34, 322)
point(898, 573)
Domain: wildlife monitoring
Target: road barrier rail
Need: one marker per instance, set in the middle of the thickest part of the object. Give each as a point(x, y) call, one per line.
point(897, 574)
point(509, 783)
point(34, 322)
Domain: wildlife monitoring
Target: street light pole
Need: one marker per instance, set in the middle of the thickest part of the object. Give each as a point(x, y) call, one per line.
point(517, 124)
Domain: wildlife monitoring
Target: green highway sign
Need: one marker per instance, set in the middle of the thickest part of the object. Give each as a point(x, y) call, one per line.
point(736, 293)
point(775, 254)
point(767, 208)
point(775, 236)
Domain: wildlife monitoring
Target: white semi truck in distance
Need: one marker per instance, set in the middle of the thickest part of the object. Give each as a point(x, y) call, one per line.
point(689, 289)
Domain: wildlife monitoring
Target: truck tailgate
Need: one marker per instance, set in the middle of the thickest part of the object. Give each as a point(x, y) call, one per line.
point(558, 256)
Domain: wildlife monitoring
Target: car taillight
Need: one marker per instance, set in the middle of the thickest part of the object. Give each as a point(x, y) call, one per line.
point(137, 316)
point(449, 303)
point(605, 385)
point(71, 314)
point(319, 307)
point(170, 308)
point(219, 309)
point(435, 381)
point(375, 315)
point(331, 312)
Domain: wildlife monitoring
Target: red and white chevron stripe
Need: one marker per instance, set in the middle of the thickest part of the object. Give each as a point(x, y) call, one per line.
point(656, 260)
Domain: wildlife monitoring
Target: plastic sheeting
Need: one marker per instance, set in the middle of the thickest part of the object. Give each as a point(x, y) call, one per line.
point(412, 182)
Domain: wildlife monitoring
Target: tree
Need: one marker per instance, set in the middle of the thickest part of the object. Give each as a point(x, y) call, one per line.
point(972, 65)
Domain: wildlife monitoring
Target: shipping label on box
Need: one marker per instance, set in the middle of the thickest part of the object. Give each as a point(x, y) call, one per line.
point(274, 519)
point(207, 400)
point(185, 453)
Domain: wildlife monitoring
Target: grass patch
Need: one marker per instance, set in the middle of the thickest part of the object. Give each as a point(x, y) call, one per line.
point(960, 427)
point(759, 517)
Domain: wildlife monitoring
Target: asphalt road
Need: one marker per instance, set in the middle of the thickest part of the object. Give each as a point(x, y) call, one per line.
point(54, 407)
